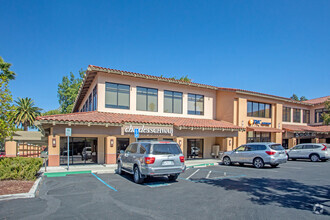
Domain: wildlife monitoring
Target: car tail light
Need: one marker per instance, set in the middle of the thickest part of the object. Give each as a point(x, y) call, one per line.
point(182, 159)
point(149, 160)
point(270, 152)
point(325, 147)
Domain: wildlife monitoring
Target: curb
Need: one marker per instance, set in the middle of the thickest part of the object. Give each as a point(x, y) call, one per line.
point(203, 165)
point(30, 194)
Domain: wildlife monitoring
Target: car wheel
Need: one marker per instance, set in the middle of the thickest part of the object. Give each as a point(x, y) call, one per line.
point(314, 158)
point(119, 169)
point(226, 161)
point(137, 176)
point(274, 165)
point(258, 163)
point(241, 164)
point(173, 177)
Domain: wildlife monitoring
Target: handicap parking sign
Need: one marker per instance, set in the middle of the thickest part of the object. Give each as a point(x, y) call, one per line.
point(136, 132)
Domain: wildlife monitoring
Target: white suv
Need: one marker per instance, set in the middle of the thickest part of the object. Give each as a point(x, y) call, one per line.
point(314, 152)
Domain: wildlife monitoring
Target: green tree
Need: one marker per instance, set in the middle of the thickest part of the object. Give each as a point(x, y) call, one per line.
point(6, 109)
point(295, 97)
point(5, 72)
point(326, 115)
point(25, 113)
point(52, 112)
point(183, 78)
point(68, 90)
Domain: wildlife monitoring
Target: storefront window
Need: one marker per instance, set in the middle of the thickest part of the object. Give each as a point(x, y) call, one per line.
point(296, 115)
point(253, 136)
point(117, 96)
point(195, 104)
point(173, 102)
point(286, 114)
point(306, 116)
point(147, 99)
point(256, 109)
point(195, 148)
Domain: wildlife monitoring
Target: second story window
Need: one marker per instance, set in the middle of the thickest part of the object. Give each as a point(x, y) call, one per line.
point(95, 98)
point(296, 115)
point(286, 114)
point(117, 96)
point(147, 99)
point(257, 109)
point(306, 116)
point(195, 104)
point(173, 102)
point(90, 102)
point(318, 114)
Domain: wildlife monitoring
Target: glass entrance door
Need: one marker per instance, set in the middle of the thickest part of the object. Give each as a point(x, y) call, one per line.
point(195, 148)
point(81, 150)
point(122, 144)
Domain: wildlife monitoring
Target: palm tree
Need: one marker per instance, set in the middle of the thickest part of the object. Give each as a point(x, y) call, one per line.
point(25, 113)
point(5, 72)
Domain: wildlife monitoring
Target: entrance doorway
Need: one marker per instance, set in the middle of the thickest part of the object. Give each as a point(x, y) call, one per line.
point(122, 144)
point(195, 148)
point(305, 140)
point(81, 150)
point(285, 143)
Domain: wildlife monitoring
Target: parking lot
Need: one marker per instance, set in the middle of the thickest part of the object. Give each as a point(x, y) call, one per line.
point(290, 191)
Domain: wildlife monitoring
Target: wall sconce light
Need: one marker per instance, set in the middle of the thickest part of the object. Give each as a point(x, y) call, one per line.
point(180, 143)
point(54, 142)
point(242, 123)
point(111, 142)
point(279, 125)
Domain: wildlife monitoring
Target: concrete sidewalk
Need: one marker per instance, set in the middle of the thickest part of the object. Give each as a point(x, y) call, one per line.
point(111, 168)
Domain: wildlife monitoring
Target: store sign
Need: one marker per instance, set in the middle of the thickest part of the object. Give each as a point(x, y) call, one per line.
point(305, 134)
point(142, 129)
point(258, 122)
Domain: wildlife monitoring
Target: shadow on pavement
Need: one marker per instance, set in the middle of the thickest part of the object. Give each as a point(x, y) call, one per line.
point(281, 192)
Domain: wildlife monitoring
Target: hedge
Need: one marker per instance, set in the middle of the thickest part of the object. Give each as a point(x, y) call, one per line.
point(19, 168)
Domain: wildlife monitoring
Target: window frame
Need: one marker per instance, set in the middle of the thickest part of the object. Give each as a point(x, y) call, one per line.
point(294, 111)
point(118, 106)
point(172, 99)
point(285, 109)
point(194, 112)
point(147, 97)
point(306, 116)
point(260, 113)
point(94, 105)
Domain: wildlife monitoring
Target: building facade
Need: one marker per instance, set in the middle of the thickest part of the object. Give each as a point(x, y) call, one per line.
point(202, 119)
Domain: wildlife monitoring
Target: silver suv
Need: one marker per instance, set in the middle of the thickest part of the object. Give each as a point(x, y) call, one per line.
point(314, 152)
point(153, 158)
point(257, 154)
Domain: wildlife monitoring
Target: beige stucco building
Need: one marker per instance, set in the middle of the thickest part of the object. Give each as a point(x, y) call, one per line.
point(202, 119)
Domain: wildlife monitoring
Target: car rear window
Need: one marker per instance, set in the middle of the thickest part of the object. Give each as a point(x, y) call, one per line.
point(276, 147)
point(165, 149)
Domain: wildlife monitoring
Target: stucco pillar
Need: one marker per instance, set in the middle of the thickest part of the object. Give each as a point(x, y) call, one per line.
point(180, 142)
point(110, 149)
point(53, 151)
point(100, 150)
point(276, 137)
point(241, 139)
point(322, 140)
point(11, 148)
point(315, 140)
point(292, 142)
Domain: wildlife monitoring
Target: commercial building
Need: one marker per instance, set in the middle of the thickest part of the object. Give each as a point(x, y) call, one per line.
point(112, 103)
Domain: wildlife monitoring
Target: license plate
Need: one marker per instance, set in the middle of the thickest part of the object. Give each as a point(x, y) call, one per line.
point(167, 163)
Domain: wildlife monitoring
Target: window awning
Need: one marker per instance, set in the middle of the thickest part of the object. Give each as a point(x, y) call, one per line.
point(264, 129)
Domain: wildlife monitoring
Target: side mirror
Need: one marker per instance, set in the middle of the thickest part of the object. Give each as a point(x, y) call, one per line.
point(121, 152)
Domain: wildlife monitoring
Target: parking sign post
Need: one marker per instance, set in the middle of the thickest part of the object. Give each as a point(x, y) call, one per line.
point(136, 133)
point(68, 134)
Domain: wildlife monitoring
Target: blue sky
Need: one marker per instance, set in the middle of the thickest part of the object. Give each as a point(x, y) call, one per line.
point(276, 47)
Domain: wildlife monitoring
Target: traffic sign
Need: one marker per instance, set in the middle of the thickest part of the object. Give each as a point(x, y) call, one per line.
point(68, 132)
point(136, 132)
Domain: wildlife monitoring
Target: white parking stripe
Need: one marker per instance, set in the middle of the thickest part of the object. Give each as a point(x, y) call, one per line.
point(208, 175)
point(192, 174)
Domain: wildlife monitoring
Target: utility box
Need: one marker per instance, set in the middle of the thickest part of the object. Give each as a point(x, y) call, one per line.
point(215, 150)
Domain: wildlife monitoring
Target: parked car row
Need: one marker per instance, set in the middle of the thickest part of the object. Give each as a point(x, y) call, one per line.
point(274, 154)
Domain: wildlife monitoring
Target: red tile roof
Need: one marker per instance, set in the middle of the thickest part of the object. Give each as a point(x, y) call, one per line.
point(305, 128)
point(264, 129)
point(116, 118)
point(318, 100)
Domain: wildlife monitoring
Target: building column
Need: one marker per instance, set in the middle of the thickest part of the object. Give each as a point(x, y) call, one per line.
point(315, 140)
point(292, 142)
point(110, 149)
point(53, 150)
point(180, 142)
point(276, 137)
point(11, 148)
point(100, 150)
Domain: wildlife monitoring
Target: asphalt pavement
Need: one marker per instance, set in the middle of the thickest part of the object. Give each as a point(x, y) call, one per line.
point(295, 190)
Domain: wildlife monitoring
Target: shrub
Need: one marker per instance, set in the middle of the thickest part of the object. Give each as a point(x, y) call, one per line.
point(19, 168)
